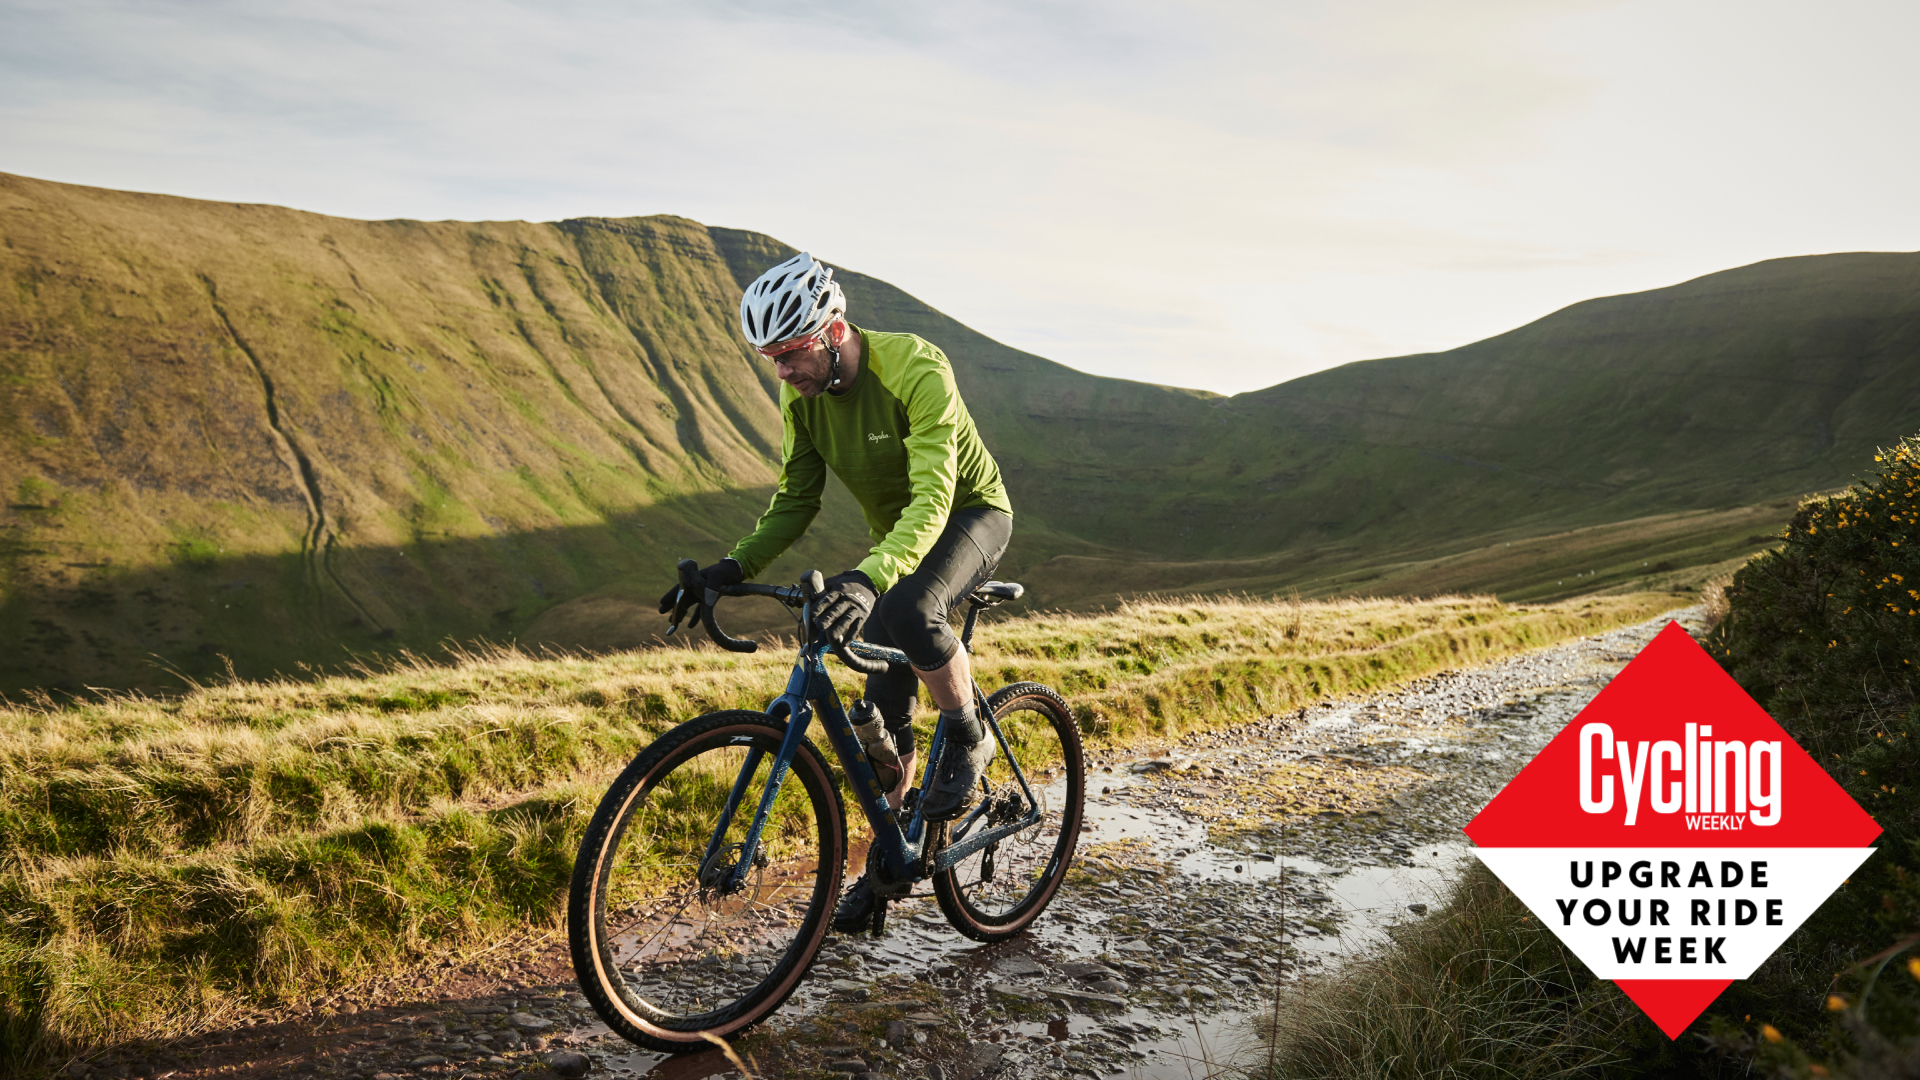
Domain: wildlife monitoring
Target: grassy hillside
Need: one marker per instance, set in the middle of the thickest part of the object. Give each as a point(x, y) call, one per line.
point(1722, 391)
point(249, 431)
point(252, 434)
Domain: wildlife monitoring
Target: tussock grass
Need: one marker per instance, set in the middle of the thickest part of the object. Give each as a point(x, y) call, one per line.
point(240, 762)
point(167, 862)
point(1157, 667)
point(102, 948)
point(1477, 989)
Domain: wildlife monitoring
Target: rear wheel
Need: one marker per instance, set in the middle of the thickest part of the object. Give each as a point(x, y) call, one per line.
point(665, 945)
point(996, 892)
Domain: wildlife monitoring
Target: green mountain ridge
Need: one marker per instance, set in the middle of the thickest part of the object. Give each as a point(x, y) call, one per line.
point(250, 433)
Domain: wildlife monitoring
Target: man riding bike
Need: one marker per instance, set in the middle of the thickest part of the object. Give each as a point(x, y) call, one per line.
point(882, 411)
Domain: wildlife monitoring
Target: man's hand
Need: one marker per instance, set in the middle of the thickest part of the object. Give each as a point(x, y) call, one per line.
point(842, 607)
point(724, 572)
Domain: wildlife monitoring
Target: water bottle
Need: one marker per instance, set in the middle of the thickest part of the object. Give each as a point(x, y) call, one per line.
point(878, 743)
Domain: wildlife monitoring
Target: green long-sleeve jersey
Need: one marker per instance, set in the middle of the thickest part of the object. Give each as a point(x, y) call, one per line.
point(900, 439)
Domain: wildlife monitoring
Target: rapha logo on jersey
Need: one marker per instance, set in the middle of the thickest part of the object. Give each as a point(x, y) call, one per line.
point(876, 436)
point(1672, 835)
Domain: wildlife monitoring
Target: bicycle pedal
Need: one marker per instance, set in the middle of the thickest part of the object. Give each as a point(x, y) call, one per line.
point(879, 927)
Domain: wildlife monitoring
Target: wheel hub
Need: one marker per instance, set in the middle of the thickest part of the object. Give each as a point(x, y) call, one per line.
point(717, 873)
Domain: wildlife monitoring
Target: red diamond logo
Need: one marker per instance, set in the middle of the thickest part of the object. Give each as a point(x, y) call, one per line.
point(1672, 835)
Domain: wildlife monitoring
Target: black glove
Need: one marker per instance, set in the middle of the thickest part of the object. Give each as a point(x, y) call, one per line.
point(724, 572)
point(842, 607)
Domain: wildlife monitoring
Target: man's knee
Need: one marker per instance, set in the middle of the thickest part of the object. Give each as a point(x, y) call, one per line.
point(917, 624)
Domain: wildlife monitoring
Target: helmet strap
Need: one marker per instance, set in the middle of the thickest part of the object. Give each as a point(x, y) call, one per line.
point(833, 368)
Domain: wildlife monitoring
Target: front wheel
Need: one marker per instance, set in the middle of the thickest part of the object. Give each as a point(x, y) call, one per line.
point(996, 892)
point(666, 946)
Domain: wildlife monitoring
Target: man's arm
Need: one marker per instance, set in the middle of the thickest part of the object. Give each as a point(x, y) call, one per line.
point(796, 500)
point(933, 421)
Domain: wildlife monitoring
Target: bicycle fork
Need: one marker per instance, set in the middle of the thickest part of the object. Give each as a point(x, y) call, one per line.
point(809, 691)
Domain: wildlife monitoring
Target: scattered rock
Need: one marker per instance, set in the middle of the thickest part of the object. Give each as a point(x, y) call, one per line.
point(1010, 991)
point(1074, 993)
point(982, 1058)
point(529, 1022)
point(1417, 909)
point(1086, 969)
point(1018, 965)
point(568, 1064)
point(848, 988)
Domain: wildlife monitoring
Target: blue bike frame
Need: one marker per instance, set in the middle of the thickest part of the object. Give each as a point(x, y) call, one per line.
point(810, 692)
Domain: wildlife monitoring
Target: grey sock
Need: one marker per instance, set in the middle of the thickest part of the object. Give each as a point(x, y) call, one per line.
point(963, 727)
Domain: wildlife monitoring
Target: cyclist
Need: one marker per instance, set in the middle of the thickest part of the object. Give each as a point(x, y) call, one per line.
point(882, 411)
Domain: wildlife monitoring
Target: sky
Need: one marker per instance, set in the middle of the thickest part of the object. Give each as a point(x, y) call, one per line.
point(1208, 194)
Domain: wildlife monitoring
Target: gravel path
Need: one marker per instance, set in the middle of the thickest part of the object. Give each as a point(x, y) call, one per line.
point(1214, 872)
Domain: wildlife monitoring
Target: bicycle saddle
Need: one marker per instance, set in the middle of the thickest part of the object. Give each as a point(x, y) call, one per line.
point(994, 592)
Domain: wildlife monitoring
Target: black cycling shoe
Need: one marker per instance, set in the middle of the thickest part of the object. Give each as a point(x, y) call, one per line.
point(855, 911)
point(957, 778)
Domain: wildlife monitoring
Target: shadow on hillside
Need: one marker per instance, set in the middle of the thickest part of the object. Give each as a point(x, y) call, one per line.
point(76, 624)
point(594, 588)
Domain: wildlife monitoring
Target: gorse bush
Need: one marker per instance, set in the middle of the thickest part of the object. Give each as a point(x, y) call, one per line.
point(1825, 634)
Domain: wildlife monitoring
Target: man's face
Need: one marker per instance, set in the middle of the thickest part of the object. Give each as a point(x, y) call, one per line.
point(806, 368)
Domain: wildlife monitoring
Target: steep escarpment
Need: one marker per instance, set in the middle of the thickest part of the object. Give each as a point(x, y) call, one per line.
point(249, 431)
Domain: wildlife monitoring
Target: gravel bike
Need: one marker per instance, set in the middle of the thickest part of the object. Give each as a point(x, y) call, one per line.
point(706, 881)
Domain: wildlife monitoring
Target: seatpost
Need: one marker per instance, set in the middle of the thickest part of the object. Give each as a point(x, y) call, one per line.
point(966, 633)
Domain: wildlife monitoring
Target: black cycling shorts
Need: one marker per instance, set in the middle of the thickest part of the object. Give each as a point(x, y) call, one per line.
point(912, 616)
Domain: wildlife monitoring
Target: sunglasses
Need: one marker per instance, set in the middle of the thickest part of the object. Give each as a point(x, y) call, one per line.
point(774, 352)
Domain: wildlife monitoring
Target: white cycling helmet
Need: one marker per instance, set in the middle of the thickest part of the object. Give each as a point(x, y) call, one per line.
point(796, 298)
